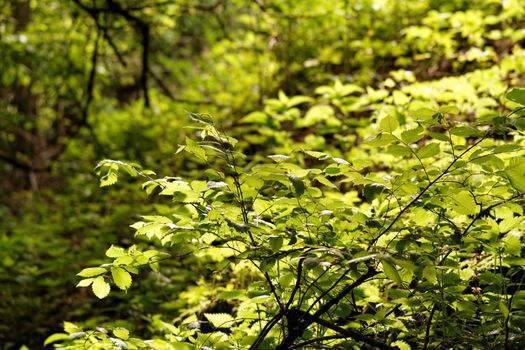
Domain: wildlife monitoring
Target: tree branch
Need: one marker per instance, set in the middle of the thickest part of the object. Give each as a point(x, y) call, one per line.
point(91, 81)
point(144, 30)
point(296, 326)
point(16, 163)
point(297, 283)
point(342, 333)
point(165, 89)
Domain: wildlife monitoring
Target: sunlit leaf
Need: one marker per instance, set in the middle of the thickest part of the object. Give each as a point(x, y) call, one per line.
point(464, 203)
point(91, 272)
point(121, 277)
point(220, 320)
point(100, 287)
point(389, 123)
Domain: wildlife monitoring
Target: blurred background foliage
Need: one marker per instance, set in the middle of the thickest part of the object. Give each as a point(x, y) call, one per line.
point(83, 80)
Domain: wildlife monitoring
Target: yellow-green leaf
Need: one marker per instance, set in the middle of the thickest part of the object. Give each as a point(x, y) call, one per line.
point(508, 224)
point(464, 203)
point(56, 337)
point(400, 98)
point(504, 309)
point(450, 109)
point(193, 148)
point(100, 287)
point(121, 277)
point(121, 333)
point(516, 173)
point(220, 320)
point(401, 345)
point(91, 272)
point(388, 123)
point(71, 327)
point(115, 252)
point(413, 135)
point(391, 273)
point(429, 150)
point(85, 282)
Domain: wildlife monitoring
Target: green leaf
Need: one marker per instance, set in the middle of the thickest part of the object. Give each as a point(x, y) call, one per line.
point(260, 206)
point(429, 273)
point(202, 118)
point(503, 308)
point(256, 117)
point(121, 277)
point(276, 242)
point(379, 140)
point(391, 273)
point(318, 155)
point(398, 150)
point(401, 345)
point(279, 158)
point(100, 287)
point(220, 320)
point(465, 131)
point(297, 100)
point(512, 243)
point(424, 114)
point(340, 161)
point(151, 229)
point(519, 123)
point(91, 272)
point(400, 98)
point(464, 203)
point(121, 333)
point(429, 150)
point(109, 179)
point(332, 170)
point(56, 337)
point(323, 180)
point(389, 124)
point(508, 224)
point(71, 327)
point(231, 295)
point(439, 136)
point(413, 135)
point(516, 173)
point(115, 252)
point(316, 114)
point(162, 219)
point(193, 148)
point(85, 282)
point(516, 95)
point(310, 263)
point(449, 109)
point(298, 185)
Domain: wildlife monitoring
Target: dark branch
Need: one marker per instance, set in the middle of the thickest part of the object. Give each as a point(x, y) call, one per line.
point(342, 333)
point(301, 320)
point(91, 81)
point(144, 30)
point(429, 324)
point(325, 293)
point(166, 90)
point(15, 163)
point(326, 307)
point(297, 283)
point(141, 26)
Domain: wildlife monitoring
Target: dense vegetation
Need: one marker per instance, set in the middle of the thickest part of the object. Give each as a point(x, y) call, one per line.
point(269, 174)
